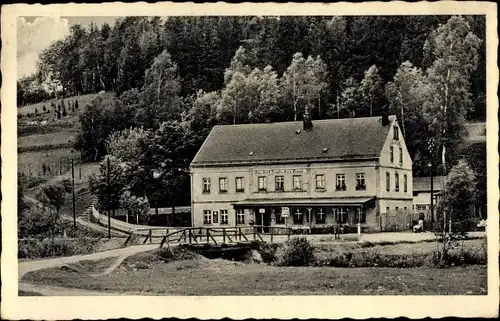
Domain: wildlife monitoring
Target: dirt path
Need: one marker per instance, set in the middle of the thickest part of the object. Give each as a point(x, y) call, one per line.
point(29, 266)
point(46, 290)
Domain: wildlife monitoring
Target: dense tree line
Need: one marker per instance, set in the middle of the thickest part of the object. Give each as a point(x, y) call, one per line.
point(177, 78)
point(115, 58)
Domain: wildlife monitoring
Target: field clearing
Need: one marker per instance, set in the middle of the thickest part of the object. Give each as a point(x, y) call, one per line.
point(220, 277)
point(36, 159)
point(82, 101)
point(66, 135)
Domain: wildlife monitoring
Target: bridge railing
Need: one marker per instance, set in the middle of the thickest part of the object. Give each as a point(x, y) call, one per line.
point(209, 235)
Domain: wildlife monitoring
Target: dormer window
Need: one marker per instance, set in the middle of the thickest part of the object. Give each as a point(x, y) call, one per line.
point(325, 149)
point(250, 154)
point(395, 132)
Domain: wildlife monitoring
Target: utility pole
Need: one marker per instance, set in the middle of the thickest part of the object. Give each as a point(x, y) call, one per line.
point(73, 187)
point(431, 154)
point(109, 202)
point(432, 195)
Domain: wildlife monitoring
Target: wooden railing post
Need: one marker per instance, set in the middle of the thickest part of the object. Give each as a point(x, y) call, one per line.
point(254, 238)
point(208, 235)
point(271, 228)
point(150, 236)
point(288, 233)
point(189, 236)
point(223, 235)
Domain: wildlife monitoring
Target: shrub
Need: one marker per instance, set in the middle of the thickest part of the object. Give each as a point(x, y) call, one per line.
point(333, 259)
point(268, 252)
point(297, 251)
point(33, 248)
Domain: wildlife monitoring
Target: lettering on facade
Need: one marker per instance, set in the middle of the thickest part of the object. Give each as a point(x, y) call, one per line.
point(279, 171)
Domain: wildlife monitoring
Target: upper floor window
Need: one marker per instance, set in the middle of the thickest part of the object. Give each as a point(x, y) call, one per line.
point(240, 217)
point(340, 184)
point(207, 217)
point(405, 183)
point(392, 154)
point(396, 132)
point(223, 184)
point(262, 183)
point(320, 181)
point(396, 182)
point(206, 185)
point(239, 184)
point(297, 182)
point(279, 183)
point(360, 182)
point(400, 155)
point(388, 181)
point(224, 218)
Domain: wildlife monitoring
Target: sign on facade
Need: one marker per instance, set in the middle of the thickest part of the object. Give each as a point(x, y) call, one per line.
point(262, 210)
point(285, 212)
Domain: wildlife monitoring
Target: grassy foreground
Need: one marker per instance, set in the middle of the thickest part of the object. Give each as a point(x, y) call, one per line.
point(219, 277)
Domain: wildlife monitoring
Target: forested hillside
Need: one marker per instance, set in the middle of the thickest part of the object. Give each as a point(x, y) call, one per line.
point(177, 77)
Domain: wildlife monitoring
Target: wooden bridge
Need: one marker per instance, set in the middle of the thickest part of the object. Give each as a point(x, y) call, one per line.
point(240, 236)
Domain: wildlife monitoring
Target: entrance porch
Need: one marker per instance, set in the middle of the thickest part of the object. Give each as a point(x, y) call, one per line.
point(309, 216)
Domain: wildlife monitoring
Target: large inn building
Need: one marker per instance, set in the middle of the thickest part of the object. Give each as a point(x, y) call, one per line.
point(305, 174)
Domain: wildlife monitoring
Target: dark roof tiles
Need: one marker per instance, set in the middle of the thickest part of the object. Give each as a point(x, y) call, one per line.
point(275, 142)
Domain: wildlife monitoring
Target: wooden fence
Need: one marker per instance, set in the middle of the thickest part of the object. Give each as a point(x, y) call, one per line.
point(53, 168)
point(399, 221)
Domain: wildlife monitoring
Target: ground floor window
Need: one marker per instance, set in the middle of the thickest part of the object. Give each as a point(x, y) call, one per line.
point(207, 217)
point(341, 214)
point(320, 216)
point(240, 217)
point(215, 217)
point(279, 219)
point(224, 217)
point(297, 216)
point(360, 215)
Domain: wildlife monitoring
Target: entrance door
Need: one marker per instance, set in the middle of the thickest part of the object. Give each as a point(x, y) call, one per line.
point(266, 220)
point(263, 218)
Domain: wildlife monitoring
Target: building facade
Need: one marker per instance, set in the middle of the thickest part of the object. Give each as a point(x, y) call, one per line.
point(312, 174)
point(422, 194)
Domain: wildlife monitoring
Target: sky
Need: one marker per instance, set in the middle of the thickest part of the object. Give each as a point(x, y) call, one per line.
point(34, 34)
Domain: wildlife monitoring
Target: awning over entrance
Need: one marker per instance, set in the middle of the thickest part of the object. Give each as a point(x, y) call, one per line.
point(338, 201)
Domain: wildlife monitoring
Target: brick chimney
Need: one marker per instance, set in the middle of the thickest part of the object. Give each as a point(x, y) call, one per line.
point(307, 122)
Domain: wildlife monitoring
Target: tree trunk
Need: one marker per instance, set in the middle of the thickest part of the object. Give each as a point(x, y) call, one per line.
point(319, 106)
point(443, 152)
point(126, 216)
point(371, 106)
point(402, 117)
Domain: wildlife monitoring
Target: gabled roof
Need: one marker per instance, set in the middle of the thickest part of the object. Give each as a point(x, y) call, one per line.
point(423, 184)
point(331, 139)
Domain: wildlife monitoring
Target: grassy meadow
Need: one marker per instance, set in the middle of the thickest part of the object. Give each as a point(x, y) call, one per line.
point(148, 273)
point(52, 142)
point(82, 101)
